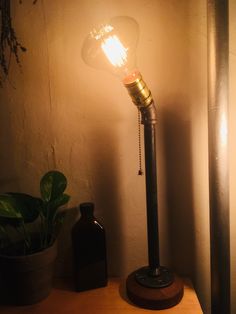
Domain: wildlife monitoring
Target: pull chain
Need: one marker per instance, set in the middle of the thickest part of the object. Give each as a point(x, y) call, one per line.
point(140, 171)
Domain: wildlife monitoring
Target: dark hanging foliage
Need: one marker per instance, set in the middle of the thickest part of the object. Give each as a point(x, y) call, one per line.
point(9, 43)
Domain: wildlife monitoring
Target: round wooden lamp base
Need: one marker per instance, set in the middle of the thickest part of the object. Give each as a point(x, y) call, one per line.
point(154, 298)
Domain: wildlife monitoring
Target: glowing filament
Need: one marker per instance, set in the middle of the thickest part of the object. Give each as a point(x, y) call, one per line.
point(115, 51)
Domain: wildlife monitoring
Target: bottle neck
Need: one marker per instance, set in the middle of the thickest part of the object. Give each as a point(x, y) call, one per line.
point(86, 210)
point(87, 215)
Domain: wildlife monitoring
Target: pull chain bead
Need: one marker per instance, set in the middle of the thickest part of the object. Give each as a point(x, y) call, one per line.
point(140, 171)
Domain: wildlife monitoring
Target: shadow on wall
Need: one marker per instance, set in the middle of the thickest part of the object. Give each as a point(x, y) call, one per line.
point(106, 182)
point(8, 180)
point(179, 197)
point(64, 263)
point(103, 177)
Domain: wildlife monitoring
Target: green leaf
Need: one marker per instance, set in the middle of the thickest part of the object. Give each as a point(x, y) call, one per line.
point(52, 185)
point(61, 200)
point(53, 206)
point(2, 230)
point(58, 222)
point(9, 208)
point(55, 215)
point(28, 206)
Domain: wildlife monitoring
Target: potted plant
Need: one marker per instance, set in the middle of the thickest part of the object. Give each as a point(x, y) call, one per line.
point(28, 230)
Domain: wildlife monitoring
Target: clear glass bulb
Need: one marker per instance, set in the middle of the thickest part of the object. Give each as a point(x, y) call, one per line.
point(112, 46)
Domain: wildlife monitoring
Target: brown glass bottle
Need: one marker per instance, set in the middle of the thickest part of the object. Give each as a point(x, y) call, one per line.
point(89, 245)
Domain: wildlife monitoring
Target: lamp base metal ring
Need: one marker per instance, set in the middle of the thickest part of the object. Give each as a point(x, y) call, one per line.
point(154, 298)
point(154, 278)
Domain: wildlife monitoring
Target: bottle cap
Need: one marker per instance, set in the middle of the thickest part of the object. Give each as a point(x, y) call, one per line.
point(86, 208)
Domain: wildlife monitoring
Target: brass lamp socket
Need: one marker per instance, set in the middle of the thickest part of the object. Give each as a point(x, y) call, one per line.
point(138, 90)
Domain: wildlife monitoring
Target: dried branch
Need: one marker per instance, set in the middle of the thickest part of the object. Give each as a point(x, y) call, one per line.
point(9, 43)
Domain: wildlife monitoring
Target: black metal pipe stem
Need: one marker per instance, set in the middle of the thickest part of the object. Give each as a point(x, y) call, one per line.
point(151, 194)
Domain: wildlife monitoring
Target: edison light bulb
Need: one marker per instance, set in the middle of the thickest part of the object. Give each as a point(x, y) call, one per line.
point(112, 46)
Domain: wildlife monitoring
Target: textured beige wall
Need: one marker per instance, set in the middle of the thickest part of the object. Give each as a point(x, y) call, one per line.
point(199, 149)
point(59, 113)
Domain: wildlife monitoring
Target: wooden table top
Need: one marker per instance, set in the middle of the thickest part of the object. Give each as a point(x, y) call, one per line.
point(109, 300)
